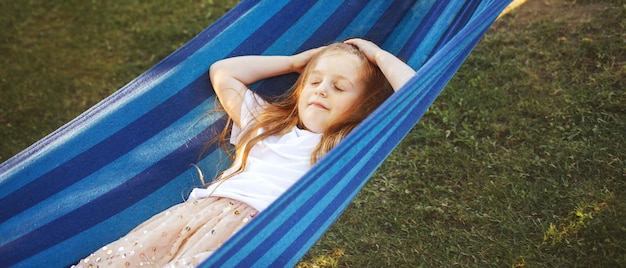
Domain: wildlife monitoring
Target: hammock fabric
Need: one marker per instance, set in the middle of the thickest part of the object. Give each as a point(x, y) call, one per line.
point(130, 156)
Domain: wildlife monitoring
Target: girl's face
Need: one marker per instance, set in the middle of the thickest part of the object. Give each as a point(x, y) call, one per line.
point(331, 89)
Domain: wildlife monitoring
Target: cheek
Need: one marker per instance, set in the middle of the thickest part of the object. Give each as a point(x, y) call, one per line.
point(346, 104)
point(305, 93)
point(303, 96)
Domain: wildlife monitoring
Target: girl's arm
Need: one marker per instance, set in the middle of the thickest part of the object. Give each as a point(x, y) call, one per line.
point(231, 77)
point(396, 71)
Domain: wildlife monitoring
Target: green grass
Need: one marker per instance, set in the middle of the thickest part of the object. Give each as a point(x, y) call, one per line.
point(520, 162)
point(58, 58)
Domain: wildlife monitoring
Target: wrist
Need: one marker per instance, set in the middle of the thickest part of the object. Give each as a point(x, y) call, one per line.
point(293, 64)
point(296, 63)
point(381, 57)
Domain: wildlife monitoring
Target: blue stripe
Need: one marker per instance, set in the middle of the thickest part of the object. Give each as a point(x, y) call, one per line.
point(366, 19)
point(458, 23)
point(388, 21)
point(410, 22)
point(111, 176)
point(297, 35)
point(107, 151)
point(108, 204)
point(81, 244)
point(334, 25)
point(424, 27)
point(430, 31)
point(271, 30)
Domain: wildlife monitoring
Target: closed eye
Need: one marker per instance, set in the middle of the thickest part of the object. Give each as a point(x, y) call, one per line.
point(315, 81)
point(342, 86)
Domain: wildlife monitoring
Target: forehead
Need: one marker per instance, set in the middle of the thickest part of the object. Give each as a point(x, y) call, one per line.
point(338, 63)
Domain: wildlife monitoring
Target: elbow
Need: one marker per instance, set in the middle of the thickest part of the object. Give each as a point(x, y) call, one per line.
point(214, 76)
point(213, 69)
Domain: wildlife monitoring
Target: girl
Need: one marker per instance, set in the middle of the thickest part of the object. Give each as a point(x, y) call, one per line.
point(276, 143)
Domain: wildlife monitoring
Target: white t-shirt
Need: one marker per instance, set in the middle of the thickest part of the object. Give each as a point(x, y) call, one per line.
point(273, 166)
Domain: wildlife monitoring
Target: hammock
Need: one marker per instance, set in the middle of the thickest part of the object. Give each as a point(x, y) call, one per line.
point(131, 156)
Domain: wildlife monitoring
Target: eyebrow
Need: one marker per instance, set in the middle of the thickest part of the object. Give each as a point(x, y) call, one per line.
point(341, 77)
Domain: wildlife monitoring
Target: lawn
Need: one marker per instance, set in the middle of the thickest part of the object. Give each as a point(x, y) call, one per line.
point(520, 162)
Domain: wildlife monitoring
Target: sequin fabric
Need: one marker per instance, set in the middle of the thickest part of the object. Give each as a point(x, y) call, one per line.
point(181, 236)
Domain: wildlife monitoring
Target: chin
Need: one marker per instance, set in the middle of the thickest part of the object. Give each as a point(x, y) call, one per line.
point(314, 129)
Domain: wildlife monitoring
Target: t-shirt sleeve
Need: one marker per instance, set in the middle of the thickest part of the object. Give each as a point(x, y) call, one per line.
point(251, 106)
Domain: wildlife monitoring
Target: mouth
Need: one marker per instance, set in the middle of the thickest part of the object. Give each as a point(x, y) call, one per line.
point(318, 105)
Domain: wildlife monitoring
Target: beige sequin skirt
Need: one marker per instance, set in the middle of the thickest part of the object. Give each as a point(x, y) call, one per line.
point(181, 236)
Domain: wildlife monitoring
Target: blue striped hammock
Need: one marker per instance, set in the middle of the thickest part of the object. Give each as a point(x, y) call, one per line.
point(130, 156)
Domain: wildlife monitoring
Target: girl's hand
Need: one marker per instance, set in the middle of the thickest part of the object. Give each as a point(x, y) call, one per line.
point(300, 60)
point(396, 71)
point(371, 50)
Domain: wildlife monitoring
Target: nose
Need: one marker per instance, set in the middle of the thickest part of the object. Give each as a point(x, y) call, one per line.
point(321, 90)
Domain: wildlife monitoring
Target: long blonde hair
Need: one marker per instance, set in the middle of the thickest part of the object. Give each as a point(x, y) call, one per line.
point(281, 116)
